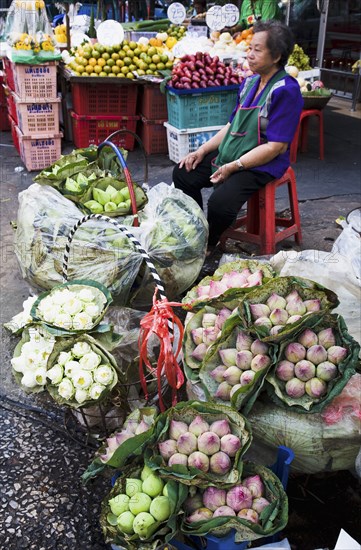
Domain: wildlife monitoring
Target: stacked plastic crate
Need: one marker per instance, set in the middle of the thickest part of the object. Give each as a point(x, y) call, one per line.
point(100, 109)
point(194, 116)
point(33, 108)
point(153, 114)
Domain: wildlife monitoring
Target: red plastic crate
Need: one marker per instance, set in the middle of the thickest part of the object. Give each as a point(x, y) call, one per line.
point(153, 135)
point(105, 99)
point(9, 73)
point(153, 104)
point(14, 134)
point(4, 120)
point(92, 130)
point(10, 101)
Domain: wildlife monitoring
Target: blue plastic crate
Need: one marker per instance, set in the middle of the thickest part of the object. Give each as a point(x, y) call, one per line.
point(202, 107)
point(281, 468)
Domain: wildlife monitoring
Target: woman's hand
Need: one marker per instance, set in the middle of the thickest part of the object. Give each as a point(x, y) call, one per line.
point(191, 161)
point(223, 173)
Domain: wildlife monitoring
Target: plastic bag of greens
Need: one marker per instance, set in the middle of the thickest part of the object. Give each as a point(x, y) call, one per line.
point(256, 507)
point(228, 284)
point(313, 365)
point(142, 511)
point(282, 305)
point(200, 443)
point(80, 372)
point(122, 446)
point(235, 367)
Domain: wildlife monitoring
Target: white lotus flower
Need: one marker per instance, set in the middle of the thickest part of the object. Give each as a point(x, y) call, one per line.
point(24, 317)
point(28, 304)
point(80, 348)
point(33, 347)
point(96, 390)
point(82, 379)
point(55, 374)
point(29, 380)
point(18, 364)
point(66, 389)
point(73, 306)
point(64, 320)
point(64, 357)
point(71, 367)
point(81, 395)
point(45, 304)
point(82, 321)
point(36, 359)
point(86, 295)
point(90, 361)
point(40, 376)
point(61, 297)
point(104, 375)
point(92, 309)
point(51, 314)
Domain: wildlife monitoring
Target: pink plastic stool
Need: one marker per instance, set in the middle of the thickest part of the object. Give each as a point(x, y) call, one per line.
point(302, 134)
point(261, 221)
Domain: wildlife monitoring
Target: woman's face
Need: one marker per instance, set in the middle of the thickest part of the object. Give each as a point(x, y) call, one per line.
point(259, 56)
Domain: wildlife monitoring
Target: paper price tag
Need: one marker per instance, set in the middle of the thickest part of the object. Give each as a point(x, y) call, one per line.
point(176, 13)
point(230, 14)
point(219, 17)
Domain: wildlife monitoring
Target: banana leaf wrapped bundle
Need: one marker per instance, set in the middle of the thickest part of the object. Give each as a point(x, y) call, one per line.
point(142, 511)
point(199, 443)
point(257, 506)
point(313, 365)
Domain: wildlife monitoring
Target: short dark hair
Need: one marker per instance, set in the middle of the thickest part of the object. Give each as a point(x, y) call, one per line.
point(280, 40)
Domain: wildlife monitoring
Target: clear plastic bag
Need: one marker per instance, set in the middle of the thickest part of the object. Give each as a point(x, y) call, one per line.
point(348, 244)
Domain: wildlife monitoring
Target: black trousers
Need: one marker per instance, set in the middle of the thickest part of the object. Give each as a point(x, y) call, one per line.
point(227, 198)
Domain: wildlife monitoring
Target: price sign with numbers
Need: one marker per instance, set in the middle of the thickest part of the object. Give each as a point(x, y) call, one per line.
point(214, 18)
point(230, 14)
point(176, 13)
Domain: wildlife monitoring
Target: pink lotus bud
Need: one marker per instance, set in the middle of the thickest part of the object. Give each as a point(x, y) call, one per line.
point(336, 354)
point(210, 335)
point(123, 436)
point(217, 373)
point(246, 272)
point(259, 348)
point(295, 307)
point(131, 425)
point(295, 387)
point(316, 387)
point(198, 426)
point(213, 498)
point(191, 504)
point(308, 338)
point(295, 352)
point(285, 370)
point(199, 352)
point(112, 443)
point(197, 335)
point(239, 497)
point(178, 458)
point(276, 302)
point(244, 341)
point(276, 329)
point(278, 316)
point(304, 370)
point(222, 317)
point(293, 319)
point(203, 291)
point(255, 279)
point(316, 354)
point(263, 322)
point(244, 359)
point(232, 375)
point(236, 387)
point(220, 427)
point(187, 443)
point(216, 288)
point(326, 371)
point(202, 514)
point(177, 428)
point(259, 310)
point(167, 448)
point(230, 444)
point(326, 338)
point(209, 443)
point(209, 320)
point(223, 391)
point(198, 460)
point(143, 426)
point(233, 279)
point(220, 463)
point(247, 377)
point(259, 504)
point(255, 485)
point(312, 305)
point(228, 356)
point(260, 362)
point(224, 511)
point(292, 296)
point(249, 515)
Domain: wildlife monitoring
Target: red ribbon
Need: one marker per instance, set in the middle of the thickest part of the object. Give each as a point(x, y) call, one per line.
point(161, 321)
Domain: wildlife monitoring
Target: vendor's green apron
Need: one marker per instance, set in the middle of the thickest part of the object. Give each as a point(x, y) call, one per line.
point(244, 132)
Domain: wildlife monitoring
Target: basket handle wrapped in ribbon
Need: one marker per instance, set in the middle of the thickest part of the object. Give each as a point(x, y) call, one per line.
point(160, 321)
